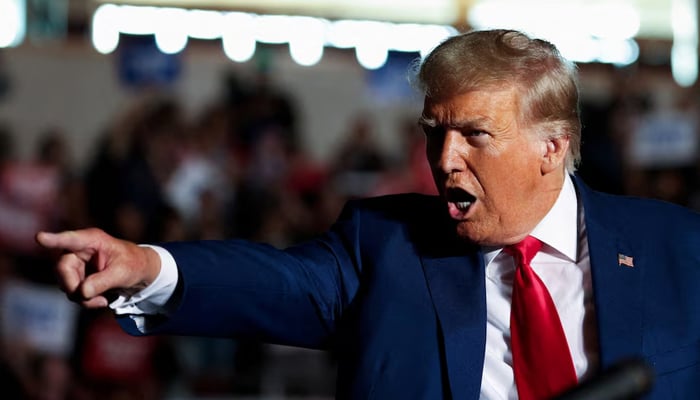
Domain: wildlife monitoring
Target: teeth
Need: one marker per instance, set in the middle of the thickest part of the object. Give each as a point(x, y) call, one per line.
point(463, 205)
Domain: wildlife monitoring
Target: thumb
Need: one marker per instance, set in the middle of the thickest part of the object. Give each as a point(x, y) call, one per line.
point(99, 283)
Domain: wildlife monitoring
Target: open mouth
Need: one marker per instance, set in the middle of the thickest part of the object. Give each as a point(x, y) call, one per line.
point(461, 199)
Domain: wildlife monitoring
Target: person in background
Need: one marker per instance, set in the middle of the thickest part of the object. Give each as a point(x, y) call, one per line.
point(516, 281)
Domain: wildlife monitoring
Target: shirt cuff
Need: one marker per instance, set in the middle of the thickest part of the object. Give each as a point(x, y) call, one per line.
point(152, 298)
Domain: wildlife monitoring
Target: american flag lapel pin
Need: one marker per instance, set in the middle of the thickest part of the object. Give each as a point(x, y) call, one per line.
point(625, 260)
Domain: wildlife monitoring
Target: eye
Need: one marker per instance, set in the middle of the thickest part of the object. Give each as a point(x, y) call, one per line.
point(476, 137)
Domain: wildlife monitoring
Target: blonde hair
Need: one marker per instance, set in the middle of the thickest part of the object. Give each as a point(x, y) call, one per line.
point(507, 58)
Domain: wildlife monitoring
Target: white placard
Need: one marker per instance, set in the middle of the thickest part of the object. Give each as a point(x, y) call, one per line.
point(38, 316)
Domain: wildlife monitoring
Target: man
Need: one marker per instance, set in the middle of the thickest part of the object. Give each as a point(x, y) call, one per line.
point(414, 292)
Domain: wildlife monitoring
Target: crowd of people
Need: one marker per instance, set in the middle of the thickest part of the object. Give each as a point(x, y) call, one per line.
point(238, 170)
point(234, 170)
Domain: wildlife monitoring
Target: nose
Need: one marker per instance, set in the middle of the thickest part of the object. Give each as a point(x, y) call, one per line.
point(449, 153)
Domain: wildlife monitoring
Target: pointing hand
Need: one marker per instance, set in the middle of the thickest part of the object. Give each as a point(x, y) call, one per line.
point(96, 265)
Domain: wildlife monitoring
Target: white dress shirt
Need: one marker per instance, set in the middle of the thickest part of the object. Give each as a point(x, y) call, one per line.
point(562, 264)
point(151, 300)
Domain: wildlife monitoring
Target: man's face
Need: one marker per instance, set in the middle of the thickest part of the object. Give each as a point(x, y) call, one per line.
point(486, 165)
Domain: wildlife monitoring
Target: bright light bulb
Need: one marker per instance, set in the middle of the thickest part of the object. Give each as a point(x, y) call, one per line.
point(105, 35)
point(371, 56)
point(204, 24)
point(613, 21)
point(237, 36)
point(12, 23)
point(171, 41)
point(135, 20)
point(684, 65)
point(306, 53)
point(307, 40)
point(342, 34)
point(273, 29)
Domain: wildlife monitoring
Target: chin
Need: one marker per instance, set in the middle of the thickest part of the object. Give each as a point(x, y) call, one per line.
point(478, 235)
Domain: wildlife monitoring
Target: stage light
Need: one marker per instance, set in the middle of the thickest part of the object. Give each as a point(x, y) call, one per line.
point(12, 22)
point(307, 40)
point(105, 33)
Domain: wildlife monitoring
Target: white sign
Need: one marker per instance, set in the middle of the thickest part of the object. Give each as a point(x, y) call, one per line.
point(38, 316)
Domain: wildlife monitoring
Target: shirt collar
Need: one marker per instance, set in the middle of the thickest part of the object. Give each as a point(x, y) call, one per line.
point(558, 229)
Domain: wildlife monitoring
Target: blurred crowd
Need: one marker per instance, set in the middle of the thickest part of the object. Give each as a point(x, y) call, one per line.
point(237, 169)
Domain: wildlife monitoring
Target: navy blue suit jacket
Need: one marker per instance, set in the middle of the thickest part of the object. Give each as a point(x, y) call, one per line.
point(401, 300)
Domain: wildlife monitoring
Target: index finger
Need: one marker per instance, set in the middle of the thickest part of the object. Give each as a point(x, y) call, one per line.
point(67, 240)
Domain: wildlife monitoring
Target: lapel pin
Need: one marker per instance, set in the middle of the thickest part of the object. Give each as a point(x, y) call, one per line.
point(625, 260)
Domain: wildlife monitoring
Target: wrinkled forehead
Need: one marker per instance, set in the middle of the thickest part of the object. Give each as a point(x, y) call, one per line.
point(466, 86)
point(481, 99)
point(491, 110)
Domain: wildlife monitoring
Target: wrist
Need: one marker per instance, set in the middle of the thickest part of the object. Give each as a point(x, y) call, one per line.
point(152, 266)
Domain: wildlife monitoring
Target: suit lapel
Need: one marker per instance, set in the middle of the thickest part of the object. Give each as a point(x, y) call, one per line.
point(455, 276)
point(456, 284)
point(616, 286)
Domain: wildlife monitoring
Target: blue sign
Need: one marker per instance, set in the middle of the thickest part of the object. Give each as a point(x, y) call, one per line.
point(390, 84)
point(141, 64)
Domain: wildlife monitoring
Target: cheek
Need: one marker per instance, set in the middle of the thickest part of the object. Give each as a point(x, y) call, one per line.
point(508, 181)
point(501, 195)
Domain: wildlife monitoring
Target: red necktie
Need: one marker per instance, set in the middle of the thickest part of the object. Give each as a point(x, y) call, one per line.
point(542, 363)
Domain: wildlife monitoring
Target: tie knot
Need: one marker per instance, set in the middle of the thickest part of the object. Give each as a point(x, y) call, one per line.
point(525, 250)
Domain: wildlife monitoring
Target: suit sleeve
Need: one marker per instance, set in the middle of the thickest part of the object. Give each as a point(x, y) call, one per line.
point(238, 288)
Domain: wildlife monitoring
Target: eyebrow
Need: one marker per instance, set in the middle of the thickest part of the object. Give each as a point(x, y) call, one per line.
point(425, 121)
point(432, 122)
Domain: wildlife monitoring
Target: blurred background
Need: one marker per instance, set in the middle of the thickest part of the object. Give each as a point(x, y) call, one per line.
point(173, 120)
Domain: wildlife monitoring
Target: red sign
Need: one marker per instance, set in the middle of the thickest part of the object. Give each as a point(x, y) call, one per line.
point(28, 197)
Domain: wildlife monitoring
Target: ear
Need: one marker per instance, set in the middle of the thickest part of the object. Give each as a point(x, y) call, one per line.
point(555, 151)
